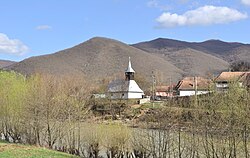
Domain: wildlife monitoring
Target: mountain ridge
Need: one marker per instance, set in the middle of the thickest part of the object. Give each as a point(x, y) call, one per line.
point(215, 47)
point(102, 57)
point(97, 58)
point(5, 63)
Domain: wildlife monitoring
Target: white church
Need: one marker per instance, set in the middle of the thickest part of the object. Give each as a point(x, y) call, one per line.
point(126, 89)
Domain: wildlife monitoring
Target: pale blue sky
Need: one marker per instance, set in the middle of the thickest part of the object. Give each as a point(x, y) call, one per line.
point(37, 27)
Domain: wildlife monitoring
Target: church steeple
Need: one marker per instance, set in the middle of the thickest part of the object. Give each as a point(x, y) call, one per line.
point(129, 73)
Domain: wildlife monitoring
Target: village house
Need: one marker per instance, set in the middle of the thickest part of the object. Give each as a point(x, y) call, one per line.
point(223, 80)
point(164, 92)
point(126, 89)
point(192, 86)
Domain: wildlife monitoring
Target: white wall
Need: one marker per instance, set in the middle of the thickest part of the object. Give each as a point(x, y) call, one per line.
point(221, 85)
point(129, 95)
point(144, 100)
point(225, 86)
point(191, 92)
point(134, 95)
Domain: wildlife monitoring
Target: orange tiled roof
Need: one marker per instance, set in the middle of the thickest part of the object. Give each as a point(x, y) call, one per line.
point(164, 88)
point(230, 76)
point(188, 83)
point(246, 79)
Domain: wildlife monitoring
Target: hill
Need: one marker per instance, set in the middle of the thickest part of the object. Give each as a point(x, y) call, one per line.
point(196, 63)
point(8, 150)
point(5, 63)
point(192, 58)
point(98, 58)
point(228, 51)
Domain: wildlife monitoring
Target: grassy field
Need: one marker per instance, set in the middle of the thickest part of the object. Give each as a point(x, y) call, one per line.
point(8, 150)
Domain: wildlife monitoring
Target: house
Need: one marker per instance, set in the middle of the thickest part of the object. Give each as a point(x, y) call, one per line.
point(223, 80)
point(193, 86)
point(126, 89)
point(164, 92)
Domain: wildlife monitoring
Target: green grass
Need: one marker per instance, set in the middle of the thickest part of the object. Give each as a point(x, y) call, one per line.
point(9, 150)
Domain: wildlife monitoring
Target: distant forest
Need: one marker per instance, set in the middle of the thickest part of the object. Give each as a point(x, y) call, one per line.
point(240, 66)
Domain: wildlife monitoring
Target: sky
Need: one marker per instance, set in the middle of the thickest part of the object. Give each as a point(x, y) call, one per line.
point(36, 27)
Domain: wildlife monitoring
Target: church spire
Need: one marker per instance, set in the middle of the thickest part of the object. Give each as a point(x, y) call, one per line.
point(130, 69)
point(129, 73)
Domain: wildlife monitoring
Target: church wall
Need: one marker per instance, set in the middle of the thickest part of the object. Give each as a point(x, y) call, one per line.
point(126, 95)
point(119, 95)
point(134, 95)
